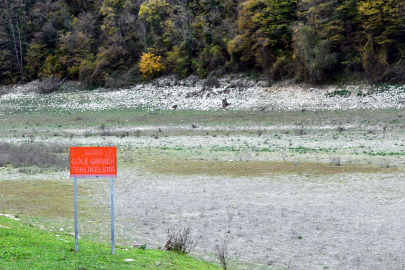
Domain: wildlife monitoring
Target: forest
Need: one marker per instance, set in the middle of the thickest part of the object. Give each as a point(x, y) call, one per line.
point(112, 43)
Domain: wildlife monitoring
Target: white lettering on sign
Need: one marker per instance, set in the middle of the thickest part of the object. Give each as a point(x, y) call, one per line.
point(93, 161)
point(104, 161)
point(93, 152)
point(80, 161)
point(89, 169)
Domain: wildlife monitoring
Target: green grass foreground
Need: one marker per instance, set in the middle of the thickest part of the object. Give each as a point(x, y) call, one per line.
point(26, 247)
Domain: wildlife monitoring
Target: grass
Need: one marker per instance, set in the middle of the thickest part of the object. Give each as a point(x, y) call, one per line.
point(26, 247)
point(49, 204)
point(33, 198)
point(45, 123)
point(341, 92)
point(253, 168)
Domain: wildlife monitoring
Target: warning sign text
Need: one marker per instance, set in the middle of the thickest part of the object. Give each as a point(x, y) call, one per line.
point(93, 162)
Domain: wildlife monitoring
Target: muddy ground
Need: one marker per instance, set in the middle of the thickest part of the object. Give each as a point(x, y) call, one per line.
point(280, 200)
point(286, 190)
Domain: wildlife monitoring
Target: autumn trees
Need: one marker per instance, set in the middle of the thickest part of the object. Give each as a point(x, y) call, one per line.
point(12, 38)
point(114, 42)
point(265, 35)
point(382, 24)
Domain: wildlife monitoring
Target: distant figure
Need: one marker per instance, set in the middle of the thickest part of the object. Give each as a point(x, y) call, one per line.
point(225, 103)
point(174, 106)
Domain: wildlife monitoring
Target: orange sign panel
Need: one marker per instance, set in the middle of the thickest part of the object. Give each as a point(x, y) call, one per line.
point(93, 161)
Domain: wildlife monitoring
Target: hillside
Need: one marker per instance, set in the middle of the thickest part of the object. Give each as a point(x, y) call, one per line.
point(26, 247)
point(240, 93)
point(114, 43)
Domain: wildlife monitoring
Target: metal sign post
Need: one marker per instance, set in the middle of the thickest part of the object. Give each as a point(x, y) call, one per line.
point(76, 226)
point(93, 162)
point(112, 218)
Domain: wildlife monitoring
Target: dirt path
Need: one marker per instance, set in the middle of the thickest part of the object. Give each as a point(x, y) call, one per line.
point(347, 221)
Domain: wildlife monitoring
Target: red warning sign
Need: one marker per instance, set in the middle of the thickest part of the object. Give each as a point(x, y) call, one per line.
point(93, 161)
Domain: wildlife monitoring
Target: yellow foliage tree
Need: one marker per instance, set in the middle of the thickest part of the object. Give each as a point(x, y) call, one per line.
point(152, 10)
point(52, 67)
point(36, 54)
point(150, 65)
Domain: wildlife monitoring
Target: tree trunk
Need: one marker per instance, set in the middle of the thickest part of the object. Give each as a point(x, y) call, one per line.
point(16, 39)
